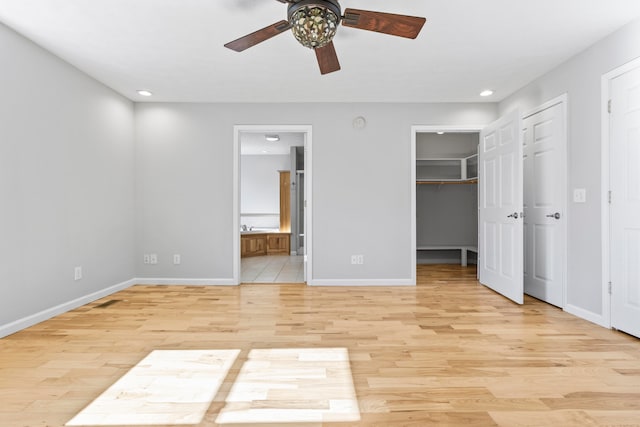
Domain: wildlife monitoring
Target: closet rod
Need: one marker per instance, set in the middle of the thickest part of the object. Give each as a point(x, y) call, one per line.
point(470, 181)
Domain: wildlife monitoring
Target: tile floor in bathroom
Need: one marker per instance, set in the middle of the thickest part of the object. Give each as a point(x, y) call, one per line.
point(273, 269)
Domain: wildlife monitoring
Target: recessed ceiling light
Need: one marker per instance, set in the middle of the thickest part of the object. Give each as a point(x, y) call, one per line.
point(272, 138)
point(440, 133)
point(144, 93)
point(487, 92)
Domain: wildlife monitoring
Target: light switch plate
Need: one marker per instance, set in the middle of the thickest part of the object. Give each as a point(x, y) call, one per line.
point(579, 195)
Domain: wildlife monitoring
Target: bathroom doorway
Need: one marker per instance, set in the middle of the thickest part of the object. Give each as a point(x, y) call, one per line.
point(272, 204)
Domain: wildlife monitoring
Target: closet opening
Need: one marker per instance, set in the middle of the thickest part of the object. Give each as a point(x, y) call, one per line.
point(446, 197)
point(496, 196)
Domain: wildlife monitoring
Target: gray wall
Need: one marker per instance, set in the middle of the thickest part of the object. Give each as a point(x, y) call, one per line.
point(452, 145)
point(361, 183)
point(580, 79)
point(66, 183)
point(447, 215)
point(260, 189)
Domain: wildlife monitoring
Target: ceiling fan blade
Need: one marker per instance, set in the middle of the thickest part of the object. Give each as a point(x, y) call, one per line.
point(387, 23)
point(258, 37)
point(327, 58)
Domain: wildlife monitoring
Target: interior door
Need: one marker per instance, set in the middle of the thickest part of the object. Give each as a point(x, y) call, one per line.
point(501, 206)
point(544, 200)
point(625, 202)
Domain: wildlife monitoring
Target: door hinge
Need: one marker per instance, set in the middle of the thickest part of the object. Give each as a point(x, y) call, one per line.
point(610, 287)
point(609, 106)
point(609, 196)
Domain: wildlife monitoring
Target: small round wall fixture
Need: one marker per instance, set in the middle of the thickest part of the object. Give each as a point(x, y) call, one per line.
point(359, 122)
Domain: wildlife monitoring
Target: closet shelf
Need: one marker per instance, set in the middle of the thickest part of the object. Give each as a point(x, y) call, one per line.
point(441, 170)
point(446, 182)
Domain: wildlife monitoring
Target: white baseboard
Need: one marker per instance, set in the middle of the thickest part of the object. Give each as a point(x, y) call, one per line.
point(43, 315)
point(185, 282)
point(362, 282)
point(598, 319)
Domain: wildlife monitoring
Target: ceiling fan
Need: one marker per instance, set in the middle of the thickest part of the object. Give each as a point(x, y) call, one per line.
point(314, 24)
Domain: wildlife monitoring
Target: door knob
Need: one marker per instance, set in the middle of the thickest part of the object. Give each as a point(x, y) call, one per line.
point(513, 215)
point(555, 215)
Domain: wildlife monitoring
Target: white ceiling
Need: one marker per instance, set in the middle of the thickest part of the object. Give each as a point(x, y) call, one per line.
point(174, 48)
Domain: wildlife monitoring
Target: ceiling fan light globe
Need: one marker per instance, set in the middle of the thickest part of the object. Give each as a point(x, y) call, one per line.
point(314, 26)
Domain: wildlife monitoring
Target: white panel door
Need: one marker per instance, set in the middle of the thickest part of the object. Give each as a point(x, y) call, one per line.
point(625, 202)
point(500, 207)
point(544, 201)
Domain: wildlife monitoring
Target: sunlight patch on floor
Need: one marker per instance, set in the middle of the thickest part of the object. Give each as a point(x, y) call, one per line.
point(166, 387)
point(292, 386)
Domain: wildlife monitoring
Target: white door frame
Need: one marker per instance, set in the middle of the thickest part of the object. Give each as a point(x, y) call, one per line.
point(606, 79)
point(562, 99)
point(307, 130)
point(414, 133)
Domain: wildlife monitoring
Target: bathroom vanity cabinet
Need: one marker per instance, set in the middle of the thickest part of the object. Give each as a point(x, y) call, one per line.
point(278, 243)
point(253, 245)
point(259, 243)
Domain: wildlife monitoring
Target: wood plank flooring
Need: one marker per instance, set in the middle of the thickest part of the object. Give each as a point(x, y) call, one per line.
point(447, 352)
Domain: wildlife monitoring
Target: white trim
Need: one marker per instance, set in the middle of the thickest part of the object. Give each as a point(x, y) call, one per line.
point(623, 69)
point(598, 319)
point(308, 200)
point(564, 100)
point(545, 106)
point(604, 188)
point(447, 128)
point(308, 242)
point(605, 185)
point(413, 256)
point(185, 282)
point(363, 282)
point(412, 167)
point(236, 206)
point(48, 313)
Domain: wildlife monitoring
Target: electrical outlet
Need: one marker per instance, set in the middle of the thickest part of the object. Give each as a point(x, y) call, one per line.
point(176, 259)
point(77, 273)
point(147, 259)
point(357, 259)
point(579, 195)
point(153, 258)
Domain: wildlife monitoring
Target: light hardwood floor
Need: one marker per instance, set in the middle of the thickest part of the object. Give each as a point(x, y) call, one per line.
point(447, 352)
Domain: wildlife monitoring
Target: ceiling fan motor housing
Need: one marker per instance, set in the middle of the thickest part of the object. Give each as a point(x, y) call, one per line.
point(314, 22)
